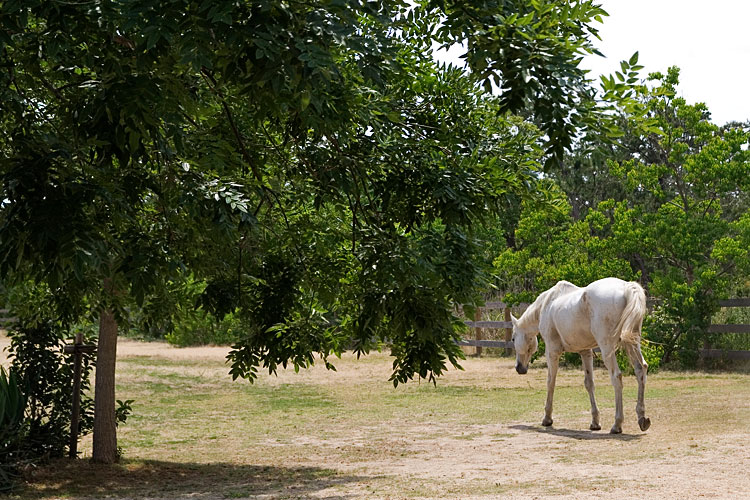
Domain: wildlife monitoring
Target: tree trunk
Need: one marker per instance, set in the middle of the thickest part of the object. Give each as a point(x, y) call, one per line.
point(105, 430)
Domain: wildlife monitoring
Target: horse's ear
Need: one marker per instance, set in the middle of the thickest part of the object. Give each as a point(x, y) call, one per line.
point(513, 319)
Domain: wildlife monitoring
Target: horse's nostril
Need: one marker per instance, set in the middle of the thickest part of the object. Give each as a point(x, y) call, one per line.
point(521, 369)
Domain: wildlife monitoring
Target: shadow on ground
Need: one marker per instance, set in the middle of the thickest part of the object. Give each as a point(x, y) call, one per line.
point(154, 479)
point(578, 434)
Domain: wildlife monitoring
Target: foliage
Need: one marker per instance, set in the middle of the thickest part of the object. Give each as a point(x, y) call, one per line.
point(683, 221)
point(551, 246)
point(13, 427)
point(180, 318)
point(123, 410)
point(36, 355)
point(530, 51)
point(197, 327)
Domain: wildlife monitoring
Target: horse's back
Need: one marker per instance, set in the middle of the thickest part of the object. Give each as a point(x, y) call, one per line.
point(585, 317)
point(606, 293)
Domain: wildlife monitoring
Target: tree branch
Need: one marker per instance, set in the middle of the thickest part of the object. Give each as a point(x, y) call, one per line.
point(213, 85)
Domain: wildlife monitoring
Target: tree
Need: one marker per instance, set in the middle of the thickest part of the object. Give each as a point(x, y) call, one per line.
point(679, 224)
point(686, 215)
point(308, 161)
point(551, 245)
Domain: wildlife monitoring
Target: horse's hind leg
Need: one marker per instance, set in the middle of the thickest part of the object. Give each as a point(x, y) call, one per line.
point(587, 357)
point(641, 368)
point(615, 375)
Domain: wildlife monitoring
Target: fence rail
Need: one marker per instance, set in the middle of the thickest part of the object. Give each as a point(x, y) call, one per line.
point(735, 302)
point(707, 352)
point(478, 325)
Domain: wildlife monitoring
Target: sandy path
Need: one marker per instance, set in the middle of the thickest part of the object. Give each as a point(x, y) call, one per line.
point(511, 459)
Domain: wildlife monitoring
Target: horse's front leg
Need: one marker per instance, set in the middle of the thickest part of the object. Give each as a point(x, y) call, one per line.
point(615, 375)
point(587, 358)
point(553, 360)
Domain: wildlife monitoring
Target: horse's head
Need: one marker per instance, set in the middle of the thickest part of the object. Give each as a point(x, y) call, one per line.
point(525, 343)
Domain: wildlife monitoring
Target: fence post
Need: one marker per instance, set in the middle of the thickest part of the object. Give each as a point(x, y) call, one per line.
point(76, 409)
point(478, 331)
point(508, 331)
point(77, 349)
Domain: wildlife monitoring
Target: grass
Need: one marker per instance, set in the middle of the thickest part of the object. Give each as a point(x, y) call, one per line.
point(350, 434)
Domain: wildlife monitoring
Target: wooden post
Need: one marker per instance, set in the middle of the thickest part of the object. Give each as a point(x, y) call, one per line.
point(508, 331)
point(76, 410)
point(701, 356)
point(77, 349)
point(478, 317)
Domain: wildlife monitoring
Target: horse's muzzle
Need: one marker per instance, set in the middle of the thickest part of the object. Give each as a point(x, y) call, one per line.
point(521, 369)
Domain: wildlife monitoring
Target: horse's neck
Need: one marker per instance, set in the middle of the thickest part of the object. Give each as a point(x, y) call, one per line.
point(529, 320)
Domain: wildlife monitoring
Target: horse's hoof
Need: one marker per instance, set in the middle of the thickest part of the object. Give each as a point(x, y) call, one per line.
point(644, 423)
point(547, 422)
point(595, 427)
point(615, 430)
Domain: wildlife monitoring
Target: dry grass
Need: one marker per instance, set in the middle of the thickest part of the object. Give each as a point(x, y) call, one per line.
point(349, 434)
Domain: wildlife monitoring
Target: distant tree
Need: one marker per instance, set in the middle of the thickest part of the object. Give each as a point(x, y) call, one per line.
point(308, 161)
point(687, 217)
point(680, 223)
point(551, 245)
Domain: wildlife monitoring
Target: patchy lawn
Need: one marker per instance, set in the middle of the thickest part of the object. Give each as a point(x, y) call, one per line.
point(349, 434)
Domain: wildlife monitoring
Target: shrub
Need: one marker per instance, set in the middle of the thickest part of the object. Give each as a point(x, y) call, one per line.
point(44, 375)
point(197, 327)
point(180, 317)
point(37, 358)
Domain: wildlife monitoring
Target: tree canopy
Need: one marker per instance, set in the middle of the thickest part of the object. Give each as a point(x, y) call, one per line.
point(308, 161)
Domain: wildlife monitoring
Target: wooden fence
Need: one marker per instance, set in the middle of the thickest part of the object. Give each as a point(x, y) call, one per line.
point(478, 325)
point(707, 352)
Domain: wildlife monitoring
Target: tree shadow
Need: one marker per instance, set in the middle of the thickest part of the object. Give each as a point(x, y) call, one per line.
point(158, 479)
point(583, 435)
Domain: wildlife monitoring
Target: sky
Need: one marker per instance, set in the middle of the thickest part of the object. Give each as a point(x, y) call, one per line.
point(709, 41)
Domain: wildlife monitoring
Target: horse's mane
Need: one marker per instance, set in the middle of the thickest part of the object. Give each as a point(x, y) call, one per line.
point(532, 313)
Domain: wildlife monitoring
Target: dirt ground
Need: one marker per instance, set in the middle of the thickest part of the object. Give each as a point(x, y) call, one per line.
point(697, 447)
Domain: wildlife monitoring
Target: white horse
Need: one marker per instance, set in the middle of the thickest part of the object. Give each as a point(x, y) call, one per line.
point(608, 313)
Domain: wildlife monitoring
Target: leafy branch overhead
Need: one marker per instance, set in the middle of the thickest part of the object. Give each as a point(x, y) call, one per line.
point(307, 161)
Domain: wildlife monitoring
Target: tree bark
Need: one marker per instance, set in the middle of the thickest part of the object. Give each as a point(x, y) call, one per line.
point(105, 429)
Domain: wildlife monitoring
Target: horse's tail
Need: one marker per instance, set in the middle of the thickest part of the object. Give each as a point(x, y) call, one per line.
point(629, 326)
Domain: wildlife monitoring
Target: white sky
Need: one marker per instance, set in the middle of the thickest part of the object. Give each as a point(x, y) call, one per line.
point(709, 41)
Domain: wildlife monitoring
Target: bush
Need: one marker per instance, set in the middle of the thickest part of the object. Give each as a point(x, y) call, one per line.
point(43, 376)
point(181, 318)
point(197, 327)
point(37, 358)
